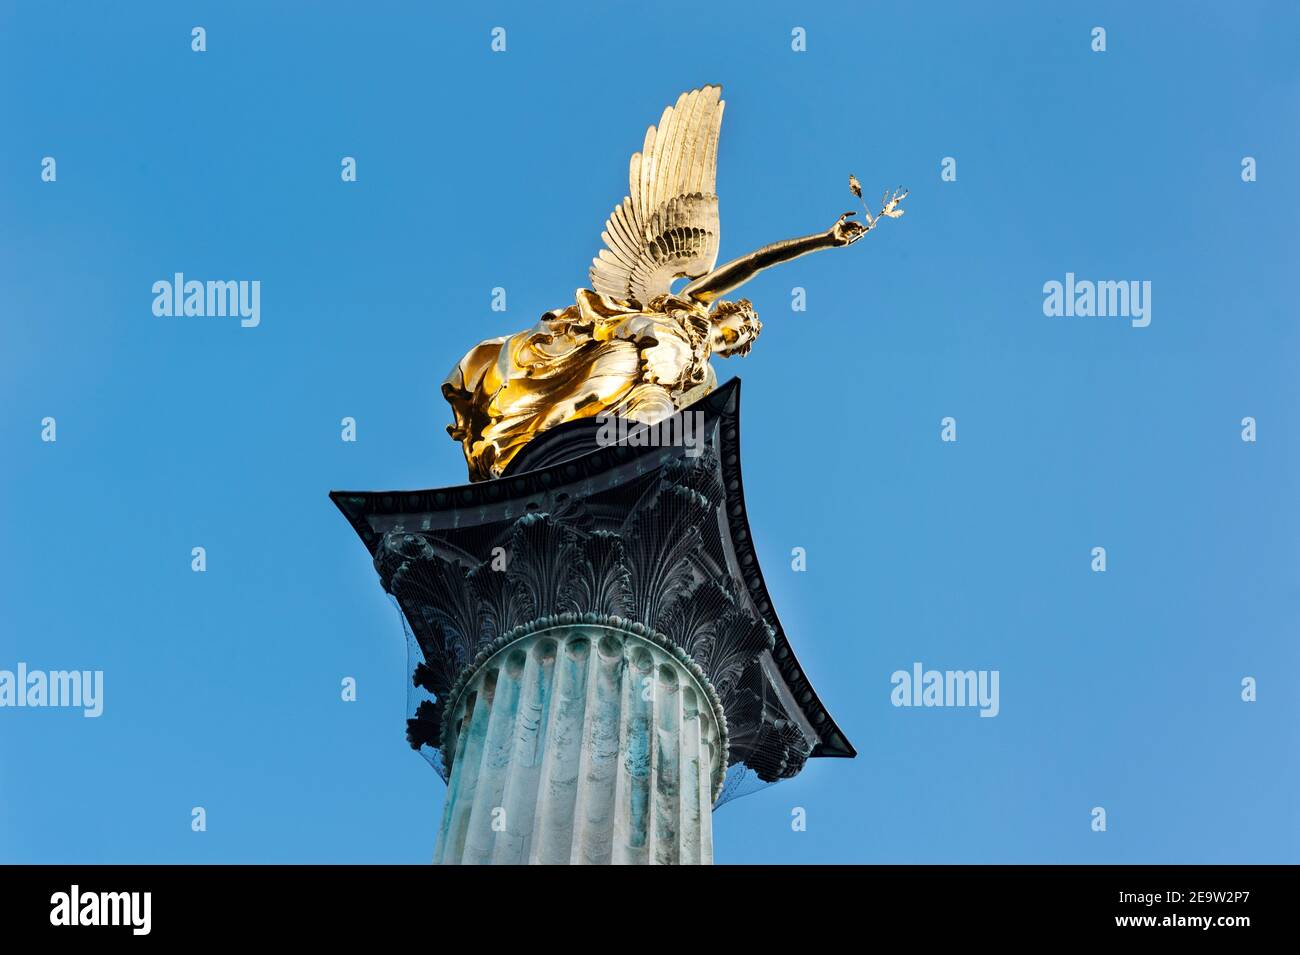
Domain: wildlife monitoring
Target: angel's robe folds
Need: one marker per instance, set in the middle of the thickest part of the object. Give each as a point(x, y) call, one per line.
point(596, 357)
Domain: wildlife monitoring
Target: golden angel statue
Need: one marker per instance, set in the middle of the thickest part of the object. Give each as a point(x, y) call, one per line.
point(630, 345)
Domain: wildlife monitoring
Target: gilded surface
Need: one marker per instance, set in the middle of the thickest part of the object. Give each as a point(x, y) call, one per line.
point(629, 345)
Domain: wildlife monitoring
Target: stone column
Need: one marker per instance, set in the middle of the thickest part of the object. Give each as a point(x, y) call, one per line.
point(592, 646)
point(582, 743)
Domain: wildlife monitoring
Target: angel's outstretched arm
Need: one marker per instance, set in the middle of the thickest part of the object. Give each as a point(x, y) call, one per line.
point(739, 271)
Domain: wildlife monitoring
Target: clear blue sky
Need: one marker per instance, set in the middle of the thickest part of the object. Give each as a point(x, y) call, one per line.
point(477, 170)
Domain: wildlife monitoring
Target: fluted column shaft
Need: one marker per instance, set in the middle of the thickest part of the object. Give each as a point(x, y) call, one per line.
point(582, 743)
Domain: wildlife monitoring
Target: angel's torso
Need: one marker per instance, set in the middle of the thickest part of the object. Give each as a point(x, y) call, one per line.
point(597, 356)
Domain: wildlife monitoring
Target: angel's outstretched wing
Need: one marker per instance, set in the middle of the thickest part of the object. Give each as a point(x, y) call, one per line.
point(667, 226)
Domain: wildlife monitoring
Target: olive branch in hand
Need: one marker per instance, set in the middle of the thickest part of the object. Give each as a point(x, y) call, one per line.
point(888, 204)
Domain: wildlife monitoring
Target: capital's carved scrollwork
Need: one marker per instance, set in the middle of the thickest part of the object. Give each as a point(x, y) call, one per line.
point(655, 570)
point(650, 538)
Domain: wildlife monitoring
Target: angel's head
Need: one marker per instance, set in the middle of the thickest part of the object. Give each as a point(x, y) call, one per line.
point(733, 327)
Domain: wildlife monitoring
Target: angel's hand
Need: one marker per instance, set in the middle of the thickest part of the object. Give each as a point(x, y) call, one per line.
point(845, 231)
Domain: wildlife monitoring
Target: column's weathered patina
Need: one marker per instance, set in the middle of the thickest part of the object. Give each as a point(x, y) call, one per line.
point(584, 743)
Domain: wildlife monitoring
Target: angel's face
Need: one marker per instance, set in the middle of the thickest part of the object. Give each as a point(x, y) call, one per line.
point(735, 325)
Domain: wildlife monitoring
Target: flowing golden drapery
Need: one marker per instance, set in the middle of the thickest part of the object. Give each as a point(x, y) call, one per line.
point(596, 357)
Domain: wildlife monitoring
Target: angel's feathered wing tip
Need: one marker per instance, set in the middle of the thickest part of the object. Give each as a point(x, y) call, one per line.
point(715, 88)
